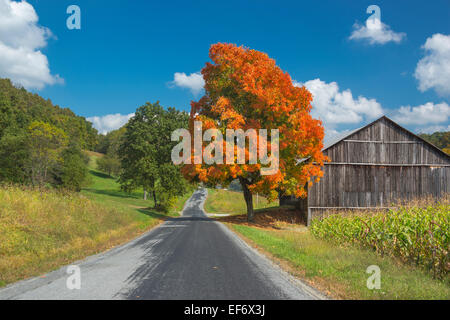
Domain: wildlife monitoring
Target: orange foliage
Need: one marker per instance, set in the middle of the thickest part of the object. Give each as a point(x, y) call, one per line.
point(245, 89)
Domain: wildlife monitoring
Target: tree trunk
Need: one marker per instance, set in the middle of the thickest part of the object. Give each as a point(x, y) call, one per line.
point(248, 200)
point(154, 198)
point(145, 194)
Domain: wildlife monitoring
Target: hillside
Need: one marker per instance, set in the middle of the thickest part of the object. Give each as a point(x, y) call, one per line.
point(41, 143)
point(42, 230)
point(18, 108)
point(439, 139)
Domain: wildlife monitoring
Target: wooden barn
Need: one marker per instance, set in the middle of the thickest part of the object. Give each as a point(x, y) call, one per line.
point(374, 167)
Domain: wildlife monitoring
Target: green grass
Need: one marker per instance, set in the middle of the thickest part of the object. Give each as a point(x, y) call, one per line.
point(106, 189)
point(232, 202)
point(43, 230)
point(342, 271)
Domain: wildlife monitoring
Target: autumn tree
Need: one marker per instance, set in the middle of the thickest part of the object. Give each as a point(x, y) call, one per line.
point(245, 89)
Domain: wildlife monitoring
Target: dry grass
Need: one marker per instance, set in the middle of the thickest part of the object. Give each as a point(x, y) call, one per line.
point(41, 230)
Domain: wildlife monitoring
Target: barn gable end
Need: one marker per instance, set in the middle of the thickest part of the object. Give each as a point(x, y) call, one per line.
point(375, 167)
point(385, 142)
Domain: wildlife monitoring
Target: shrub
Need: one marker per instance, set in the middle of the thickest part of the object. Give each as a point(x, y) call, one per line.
point(74, 171)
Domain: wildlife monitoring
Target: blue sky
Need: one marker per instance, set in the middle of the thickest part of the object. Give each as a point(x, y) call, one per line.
point(128, 52)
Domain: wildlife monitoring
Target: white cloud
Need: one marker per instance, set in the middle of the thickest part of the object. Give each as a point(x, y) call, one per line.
point(427, 115)
point(433, 70)
point(376, 32)
point(335, 107)
point(20, 40)
point(332, 135)
point(109, 122)
point(433, 129)
point(193, 82)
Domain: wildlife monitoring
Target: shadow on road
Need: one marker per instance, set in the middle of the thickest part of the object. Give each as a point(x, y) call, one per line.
point(152, 213)
point(190, 219)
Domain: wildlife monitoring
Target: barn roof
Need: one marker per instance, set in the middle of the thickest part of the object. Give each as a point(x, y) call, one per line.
point(338, 138)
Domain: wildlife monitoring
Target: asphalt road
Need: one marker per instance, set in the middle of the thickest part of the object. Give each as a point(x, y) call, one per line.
point(190, 257)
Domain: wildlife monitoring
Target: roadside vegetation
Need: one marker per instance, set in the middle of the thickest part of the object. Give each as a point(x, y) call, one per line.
point(332, 259)
point(67, 191)
point(341, 271)
point(418, 235)
point(222, 201)
point(43, 229)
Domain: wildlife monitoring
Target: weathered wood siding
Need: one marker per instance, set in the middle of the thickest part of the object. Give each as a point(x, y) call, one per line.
point(376, 167)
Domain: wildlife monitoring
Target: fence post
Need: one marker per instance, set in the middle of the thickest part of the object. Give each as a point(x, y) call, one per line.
point(308, 220)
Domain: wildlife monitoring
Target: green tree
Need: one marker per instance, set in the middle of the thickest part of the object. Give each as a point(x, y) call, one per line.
point(74, 171)
point(14, 155)
point(439, 139)
point(146, 153)
point(110, 143)
point(20, 110)
point(109, 164)
point(45, 143)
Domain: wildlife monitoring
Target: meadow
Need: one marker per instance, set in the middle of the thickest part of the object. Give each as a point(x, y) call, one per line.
point(232, 202)
point(41, 230)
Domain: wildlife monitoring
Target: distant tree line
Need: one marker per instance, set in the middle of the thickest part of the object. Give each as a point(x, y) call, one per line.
point(439, 139)
point(40, 143)
point(109, 145)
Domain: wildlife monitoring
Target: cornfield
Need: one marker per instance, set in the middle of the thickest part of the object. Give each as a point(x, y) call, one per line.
point(417, 235)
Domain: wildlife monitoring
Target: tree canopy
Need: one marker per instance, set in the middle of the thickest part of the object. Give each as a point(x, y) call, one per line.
point(34, 140)
point(145, 152)
point(245, 89)
point(18, 108)
point(439, 139)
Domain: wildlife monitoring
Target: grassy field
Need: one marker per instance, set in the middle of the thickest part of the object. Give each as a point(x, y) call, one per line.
point(106, 189)
point(341, 272)
point(232, 202)
point(40, 231)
